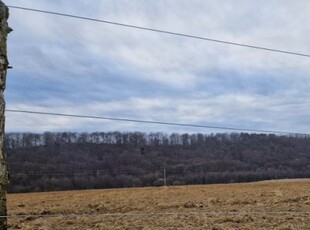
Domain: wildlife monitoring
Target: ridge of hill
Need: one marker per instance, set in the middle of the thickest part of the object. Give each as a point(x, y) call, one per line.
point(66, 161)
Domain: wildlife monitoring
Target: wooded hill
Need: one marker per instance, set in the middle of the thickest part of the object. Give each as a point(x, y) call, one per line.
point(63, 161)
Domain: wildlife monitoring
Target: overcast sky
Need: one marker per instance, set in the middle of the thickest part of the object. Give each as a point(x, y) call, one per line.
point(65, 65)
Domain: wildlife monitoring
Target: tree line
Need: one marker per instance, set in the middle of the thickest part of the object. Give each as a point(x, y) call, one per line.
point(67, 160)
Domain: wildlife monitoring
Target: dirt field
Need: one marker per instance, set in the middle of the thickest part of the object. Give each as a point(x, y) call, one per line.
point(262, 205)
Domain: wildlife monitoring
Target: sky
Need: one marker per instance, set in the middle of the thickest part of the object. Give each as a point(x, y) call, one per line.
point(66, 65)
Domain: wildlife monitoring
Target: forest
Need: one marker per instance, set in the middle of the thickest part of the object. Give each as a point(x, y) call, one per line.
point(54, 161)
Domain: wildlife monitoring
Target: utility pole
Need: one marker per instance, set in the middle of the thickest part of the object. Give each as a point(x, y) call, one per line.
point(4, 64)
point(165, 179)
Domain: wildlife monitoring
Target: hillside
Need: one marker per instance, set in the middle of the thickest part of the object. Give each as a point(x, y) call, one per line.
point(261, 205)
point(67, 161)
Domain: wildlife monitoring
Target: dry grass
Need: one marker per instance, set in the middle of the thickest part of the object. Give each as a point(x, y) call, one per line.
point(262, 197)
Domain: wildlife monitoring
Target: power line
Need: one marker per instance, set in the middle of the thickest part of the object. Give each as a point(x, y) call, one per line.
point(133, 173)
point(162, 31)
point(155, 122)
point(85, 173)
point(104, 215)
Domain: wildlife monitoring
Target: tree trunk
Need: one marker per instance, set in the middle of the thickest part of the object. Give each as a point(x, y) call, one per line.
point(4, 30)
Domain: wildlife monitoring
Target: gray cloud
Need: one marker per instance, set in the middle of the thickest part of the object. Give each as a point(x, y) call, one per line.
point(74, 66)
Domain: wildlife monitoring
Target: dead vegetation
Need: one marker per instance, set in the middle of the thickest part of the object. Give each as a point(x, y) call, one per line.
point(263, 205)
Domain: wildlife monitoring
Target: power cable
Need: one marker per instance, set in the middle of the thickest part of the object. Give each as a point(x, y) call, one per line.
point(155, 122)
point(162, 31)
point(132, 173)
point(84, 173)
point(104, 215)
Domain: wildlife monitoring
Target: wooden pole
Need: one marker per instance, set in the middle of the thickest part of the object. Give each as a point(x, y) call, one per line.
point(165, 179)
point(4, 180)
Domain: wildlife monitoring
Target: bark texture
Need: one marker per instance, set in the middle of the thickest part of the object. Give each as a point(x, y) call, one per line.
point(4, 30)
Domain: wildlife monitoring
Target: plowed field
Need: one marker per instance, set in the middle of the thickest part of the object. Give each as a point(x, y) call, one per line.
point(262, 205)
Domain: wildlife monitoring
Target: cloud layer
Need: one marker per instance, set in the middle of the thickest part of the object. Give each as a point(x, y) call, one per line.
point(81, 67)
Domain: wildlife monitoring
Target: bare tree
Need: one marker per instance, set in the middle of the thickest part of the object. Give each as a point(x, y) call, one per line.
point(4, 30)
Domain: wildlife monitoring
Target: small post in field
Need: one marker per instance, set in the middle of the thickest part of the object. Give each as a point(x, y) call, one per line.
point(165, 180)
point(275, 175)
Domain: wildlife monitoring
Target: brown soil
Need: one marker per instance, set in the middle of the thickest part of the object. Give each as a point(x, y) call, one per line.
point(262, 205)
